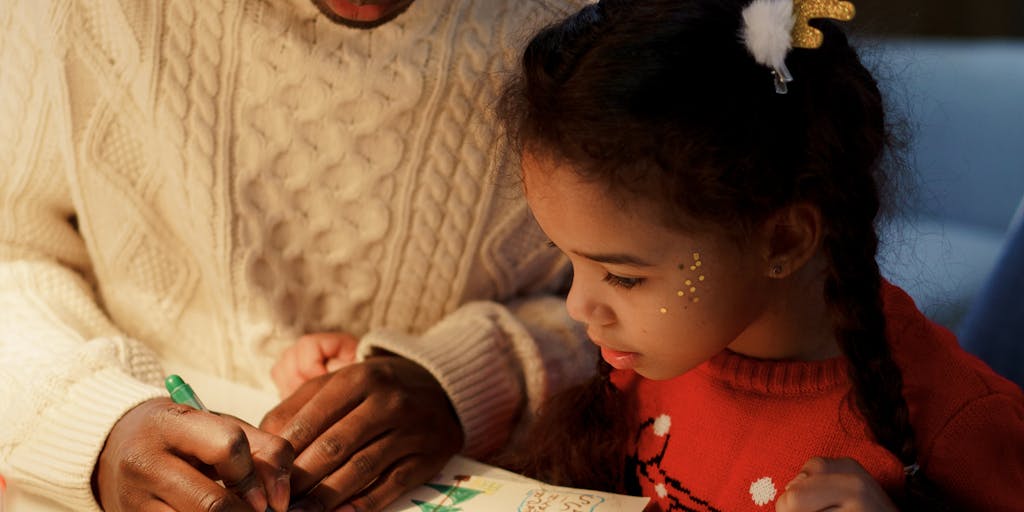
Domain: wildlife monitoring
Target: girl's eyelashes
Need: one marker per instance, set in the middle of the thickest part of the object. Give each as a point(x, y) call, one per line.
point(625, 282)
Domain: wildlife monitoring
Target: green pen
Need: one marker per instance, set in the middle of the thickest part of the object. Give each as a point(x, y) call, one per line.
point(182, 393)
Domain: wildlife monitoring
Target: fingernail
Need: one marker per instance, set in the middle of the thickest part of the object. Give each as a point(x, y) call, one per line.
point(306, 506)
point(256, 498)
point(281, 491)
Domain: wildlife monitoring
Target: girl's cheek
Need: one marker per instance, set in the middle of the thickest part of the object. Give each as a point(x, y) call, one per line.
point(691, 280)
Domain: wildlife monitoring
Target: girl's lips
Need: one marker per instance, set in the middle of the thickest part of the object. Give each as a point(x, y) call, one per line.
point(618, 360)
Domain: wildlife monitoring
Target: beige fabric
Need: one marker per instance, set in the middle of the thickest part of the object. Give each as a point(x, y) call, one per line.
point(244, 171)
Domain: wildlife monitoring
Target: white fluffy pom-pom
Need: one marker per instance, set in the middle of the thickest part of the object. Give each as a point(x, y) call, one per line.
point(767, 31)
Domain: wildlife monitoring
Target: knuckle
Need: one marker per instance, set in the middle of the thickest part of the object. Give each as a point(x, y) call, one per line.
point(300, 430)
point(274, 420)
point(330, 448)
point(381, 374)
point(220, 502)
point(364, 466)
point(236, 445)
point(403, 478)
point(399, 402)
point(136, 463)
point(173, 411)
point(283, 452)
point(369, 503)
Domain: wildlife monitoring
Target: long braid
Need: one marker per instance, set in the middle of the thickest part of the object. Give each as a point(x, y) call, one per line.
point(853, 291)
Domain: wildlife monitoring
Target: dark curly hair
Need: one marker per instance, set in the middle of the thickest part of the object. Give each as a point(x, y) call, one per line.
point(660, 100)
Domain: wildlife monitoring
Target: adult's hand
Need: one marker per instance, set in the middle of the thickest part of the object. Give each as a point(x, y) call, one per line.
point(366, 433)
point(834, 485)
point(164, 456)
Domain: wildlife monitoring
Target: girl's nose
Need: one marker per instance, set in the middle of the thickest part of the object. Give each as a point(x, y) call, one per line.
point(585, 307)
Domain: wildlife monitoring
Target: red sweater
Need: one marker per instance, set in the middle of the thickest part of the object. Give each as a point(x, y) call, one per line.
point(730, 434)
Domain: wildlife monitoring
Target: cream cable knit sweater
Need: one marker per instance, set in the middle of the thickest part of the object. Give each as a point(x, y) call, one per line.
point(205, 180)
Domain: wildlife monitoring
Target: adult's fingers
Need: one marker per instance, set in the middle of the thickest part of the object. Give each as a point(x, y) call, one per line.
point(155, 506)
point(222, 444)
point(273, 457)
point(201, 493)
point(392, 483)
point(340, 444)
point(283, 419)
point(369, 464)
point(354, 428)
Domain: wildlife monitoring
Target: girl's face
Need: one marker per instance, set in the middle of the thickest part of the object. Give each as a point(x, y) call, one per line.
point(654, 299)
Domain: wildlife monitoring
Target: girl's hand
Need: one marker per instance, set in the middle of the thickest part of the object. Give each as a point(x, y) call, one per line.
point(166, 456)
point(834, 485)
point(311, 356)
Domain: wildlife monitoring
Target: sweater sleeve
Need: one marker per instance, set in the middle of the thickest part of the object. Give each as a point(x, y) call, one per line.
point(978, 457)
point(66, 373)
point(497, 362)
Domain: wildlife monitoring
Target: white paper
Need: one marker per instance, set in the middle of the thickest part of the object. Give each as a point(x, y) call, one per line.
point(469, 486)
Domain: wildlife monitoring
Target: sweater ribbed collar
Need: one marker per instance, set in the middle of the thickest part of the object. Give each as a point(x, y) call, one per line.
point(773, 377)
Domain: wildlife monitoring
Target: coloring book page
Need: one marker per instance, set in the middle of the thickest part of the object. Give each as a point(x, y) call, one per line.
point(469, 486)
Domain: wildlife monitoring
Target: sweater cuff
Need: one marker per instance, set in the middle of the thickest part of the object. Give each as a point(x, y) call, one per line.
point(469, 358)
point(58, 460)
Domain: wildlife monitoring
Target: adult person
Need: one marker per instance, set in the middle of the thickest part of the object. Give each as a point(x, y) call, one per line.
point(207, 180)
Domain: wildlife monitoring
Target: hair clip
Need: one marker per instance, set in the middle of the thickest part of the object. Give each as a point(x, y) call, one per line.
point(772, 27)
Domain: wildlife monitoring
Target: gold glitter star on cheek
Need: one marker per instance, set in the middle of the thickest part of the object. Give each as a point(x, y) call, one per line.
point(806, 36)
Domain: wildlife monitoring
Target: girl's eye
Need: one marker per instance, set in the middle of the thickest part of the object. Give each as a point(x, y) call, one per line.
point(625, 282)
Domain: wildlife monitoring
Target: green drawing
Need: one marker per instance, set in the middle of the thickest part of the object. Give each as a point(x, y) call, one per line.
point(431, 507)
point(453, 494)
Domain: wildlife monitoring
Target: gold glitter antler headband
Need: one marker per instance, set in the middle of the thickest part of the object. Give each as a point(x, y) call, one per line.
point(806, 36)
point(772, 27)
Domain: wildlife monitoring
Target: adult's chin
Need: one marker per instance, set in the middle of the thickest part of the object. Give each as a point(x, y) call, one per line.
point(344, 12)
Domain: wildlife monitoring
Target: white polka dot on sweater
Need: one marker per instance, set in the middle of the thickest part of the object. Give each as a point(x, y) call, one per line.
point(763, 491)
point(662, 424)
point(661, 490)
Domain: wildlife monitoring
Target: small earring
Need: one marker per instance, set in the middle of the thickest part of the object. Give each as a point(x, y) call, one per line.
point(776, 269)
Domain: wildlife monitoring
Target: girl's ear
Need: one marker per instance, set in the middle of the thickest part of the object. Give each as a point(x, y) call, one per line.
point(790, 238)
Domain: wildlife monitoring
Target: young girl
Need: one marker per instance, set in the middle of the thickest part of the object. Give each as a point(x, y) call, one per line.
point(717, 192)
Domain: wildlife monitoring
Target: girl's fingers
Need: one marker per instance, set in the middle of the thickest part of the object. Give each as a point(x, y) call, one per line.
point(812, 494)
point(309, 358)
point(833, 484)
point(285, 372)
point(334, 364)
